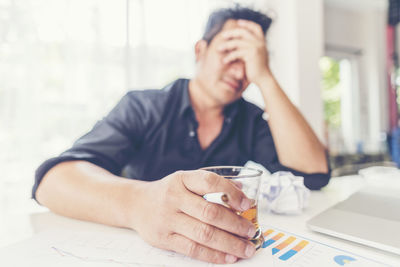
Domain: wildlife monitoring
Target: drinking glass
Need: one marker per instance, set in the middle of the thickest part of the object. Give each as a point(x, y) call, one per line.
point(250, 180)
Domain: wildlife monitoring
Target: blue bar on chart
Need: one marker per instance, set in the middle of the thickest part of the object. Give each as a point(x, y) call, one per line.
point(272, 240)
point(283, 245)
point(294, 250)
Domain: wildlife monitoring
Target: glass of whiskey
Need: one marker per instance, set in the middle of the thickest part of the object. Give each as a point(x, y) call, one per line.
point(249, 179)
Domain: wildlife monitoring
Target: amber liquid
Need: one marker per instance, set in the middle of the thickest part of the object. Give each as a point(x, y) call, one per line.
point(251, 215)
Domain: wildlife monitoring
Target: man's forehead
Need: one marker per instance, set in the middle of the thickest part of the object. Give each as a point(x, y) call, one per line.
point(230, 24)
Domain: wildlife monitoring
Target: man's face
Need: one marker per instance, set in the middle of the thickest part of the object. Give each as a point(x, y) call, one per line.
point(224, 83)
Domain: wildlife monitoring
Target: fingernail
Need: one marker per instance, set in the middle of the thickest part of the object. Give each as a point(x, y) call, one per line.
point(246, 204)
point(230, 258)
point(250, 250)
point(252, 232)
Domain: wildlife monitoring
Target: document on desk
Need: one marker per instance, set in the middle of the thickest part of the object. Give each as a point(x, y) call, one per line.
point(289, 249)
point(63, 248)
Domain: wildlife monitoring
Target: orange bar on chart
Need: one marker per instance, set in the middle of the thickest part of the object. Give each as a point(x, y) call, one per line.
point(294, 250)
point(283, 245)
point(272, 240)
point(300, 245)
point(269, 231)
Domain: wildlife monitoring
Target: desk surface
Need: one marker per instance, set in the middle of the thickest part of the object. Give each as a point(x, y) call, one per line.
point(17, 227)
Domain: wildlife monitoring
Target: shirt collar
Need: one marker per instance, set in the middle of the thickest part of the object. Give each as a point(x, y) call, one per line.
point(230, 110)
point(185, 104)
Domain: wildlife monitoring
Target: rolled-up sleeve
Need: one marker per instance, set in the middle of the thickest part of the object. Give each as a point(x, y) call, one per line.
point(264, 153)
point(109, 144)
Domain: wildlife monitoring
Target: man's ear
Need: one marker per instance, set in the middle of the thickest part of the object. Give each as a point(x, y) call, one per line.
point(200, 49)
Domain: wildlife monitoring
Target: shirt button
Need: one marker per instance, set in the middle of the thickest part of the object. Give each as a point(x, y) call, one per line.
point(192, 133)
point(265, 116)
point(228, 120)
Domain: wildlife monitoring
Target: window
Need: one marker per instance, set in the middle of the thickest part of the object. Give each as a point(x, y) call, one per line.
point(341, 109)
point(65, 63)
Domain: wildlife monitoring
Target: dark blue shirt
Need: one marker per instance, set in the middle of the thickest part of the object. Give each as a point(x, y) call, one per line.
point(152, 133)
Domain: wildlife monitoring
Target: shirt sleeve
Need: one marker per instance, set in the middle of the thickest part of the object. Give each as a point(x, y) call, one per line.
point(109, 144)
point(265, 154)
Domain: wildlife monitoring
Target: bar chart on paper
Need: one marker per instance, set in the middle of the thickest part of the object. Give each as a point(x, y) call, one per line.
point(292, 250)
point(98, 249)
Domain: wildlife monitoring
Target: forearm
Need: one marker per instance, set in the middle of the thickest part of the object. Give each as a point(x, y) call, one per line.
point(168, 213)
point(296, 143)
point(84, 191)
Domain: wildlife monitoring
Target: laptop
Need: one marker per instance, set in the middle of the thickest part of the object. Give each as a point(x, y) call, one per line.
point(370, 217)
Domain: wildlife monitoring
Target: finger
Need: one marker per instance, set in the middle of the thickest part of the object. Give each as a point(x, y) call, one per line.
point(231, 45)
point(238, 33)
point(216, 215)
point(253, 27)
point(188, 247)
point(202, 182)
point(233, 56)
point(212, 237)
point(238, 184)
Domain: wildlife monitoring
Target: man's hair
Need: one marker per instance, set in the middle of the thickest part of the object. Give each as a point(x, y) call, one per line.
point(218, 18)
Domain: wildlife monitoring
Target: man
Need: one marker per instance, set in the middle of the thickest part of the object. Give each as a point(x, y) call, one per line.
point(151, 135)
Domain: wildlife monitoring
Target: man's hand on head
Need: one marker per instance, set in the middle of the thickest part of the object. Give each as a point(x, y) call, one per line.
point(247, 43)
point(173, 215)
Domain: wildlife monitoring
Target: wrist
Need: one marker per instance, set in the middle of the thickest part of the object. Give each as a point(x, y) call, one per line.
point(267, 83)
point(132, 201)
point(264, 79)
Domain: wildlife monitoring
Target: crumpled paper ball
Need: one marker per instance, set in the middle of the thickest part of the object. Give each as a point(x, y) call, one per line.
point(284, 192)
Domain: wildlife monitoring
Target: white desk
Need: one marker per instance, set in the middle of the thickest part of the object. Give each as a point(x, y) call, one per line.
point(337, 190)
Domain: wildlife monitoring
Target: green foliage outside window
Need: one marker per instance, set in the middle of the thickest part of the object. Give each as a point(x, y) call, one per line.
point(331, 91)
